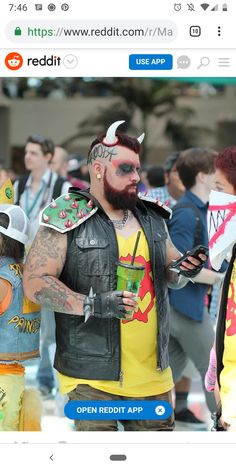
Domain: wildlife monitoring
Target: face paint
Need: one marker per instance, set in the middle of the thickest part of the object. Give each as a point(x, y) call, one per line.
point(125, 168)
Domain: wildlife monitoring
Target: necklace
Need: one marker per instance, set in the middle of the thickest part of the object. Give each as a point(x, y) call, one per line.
point(119, 224)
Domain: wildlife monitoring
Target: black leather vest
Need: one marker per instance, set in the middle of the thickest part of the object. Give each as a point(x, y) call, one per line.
point(91, 350)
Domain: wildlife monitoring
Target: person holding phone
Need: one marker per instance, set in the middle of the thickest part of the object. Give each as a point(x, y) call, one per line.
point(72, 267)
point(192, 334)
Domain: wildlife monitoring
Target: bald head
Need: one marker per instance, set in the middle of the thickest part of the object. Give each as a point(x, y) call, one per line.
point(59, 162)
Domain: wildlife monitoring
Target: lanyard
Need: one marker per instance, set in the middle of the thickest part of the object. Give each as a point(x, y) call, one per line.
point(27, 209)
point(44, 199)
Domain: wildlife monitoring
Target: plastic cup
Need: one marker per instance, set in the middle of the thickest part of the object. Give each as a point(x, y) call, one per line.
point(129, 277)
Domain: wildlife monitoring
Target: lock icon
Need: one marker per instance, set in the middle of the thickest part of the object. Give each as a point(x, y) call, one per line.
point(17, 31)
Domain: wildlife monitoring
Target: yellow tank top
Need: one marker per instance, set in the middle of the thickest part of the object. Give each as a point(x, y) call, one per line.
point(140, 374)
point(228, 374)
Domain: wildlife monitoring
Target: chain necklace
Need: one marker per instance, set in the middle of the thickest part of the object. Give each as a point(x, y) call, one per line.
point(119, 224)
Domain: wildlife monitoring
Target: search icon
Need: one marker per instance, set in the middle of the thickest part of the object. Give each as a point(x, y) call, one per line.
point(204, 61)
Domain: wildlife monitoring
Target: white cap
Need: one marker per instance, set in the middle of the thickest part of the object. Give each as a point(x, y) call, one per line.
point(18, 227)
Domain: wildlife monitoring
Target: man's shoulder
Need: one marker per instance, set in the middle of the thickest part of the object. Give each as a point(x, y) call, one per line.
point(184, 205)
point(155, 205)
point(67, 212)
point(187, 213)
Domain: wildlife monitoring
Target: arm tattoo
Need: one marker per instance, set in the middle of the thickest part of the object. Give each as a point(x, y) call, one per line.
point(46, 245)
point(102, 152)
point(49, 250)
point(56, 296)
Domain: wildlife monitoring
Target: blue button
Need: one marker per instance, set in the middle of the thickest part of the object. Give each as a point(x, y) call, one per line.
point(151, 61)
point(118, 410)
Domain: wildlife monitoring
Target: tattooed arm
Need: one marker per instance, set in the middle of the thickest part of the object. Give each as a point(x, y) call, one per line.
point(43, 266)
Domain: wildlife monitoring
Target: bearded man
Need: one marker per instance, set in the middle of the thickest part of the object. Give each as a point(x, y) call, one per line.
point(111, 345)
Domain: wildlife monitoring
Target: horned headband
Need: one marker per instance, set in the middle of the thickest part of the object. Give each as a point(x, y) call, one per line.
point(111, 139)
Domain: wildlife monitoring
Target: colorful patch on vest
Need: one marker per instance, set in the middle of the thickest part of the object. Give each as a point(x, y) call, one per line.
point(67, 212)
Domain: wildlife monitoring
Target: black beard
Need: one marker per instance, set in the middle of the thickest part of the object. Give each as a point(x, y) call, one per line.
point(120, 200)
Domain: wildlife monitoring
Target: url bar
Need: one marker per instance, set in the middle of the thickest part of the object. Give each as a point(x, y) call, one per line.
point(92, 32)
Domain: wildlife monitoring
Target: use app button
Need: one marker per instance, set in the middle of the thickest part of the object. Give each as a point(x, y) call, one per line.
point(151, 61)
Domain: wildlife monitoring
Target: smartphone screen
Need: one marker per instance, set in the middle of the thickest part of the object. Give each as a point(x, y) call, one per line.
point(117, 122)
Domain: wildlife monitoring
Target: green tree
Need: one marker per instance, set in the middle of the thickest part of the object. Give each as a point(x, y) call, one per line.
point(142, 98)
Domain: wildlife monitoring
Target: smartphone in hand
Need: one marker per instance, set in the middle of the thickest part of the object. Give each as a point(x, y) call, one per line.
point(200, 249)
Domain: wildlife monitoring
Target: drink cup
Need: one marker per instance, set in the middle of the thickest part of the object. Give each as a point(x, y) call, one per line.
point(129, 278)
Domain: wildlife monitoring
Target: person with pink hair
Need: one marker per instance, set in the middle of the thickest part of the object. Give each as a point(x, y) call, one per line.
point(221, 374)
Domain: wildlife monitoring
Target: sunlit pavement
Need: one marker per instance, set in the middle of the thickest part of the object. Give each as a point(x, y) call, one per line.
point(54, 419)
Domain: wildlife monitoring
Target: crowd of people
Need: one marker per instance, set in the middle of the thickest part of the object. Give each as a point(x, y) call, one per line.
point(57, 88)
point(66, 226)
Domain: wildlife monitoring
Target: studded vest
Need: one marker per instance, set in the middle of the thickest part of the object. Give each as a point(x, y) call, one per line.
point(92, 350)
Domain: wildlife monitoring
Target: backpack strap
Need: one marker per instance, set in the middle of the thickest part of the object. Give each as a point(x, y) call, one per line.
point(21, 186)
point(199, 225)
point(57, 189)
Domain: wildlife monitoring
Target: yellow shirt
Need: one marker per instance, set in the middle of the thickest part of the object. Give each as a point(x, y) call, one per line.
point(228, 374)
point(140, 374)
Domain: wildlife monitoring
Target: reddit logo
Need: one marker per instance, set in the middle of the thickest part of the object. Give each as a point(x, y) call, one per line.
point(13, 61)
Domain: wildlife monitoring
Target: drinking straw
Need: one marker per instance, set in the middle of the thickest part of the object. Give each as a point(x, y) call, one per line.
point(135, 247)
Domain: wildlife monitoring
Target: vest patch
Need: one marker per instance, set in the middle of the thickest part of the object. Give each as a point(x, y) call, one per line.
point(67, 212)
point(24, 325)
point(16, 268)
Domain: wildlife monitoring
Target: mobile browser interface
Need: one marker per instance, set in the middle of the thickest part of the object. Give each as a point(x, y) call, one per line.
point(104, 349)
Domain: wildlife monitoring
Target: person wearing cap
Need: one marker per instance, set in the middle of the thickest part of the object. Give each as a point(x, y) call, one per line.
point(19, 318)
point(104, 352)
